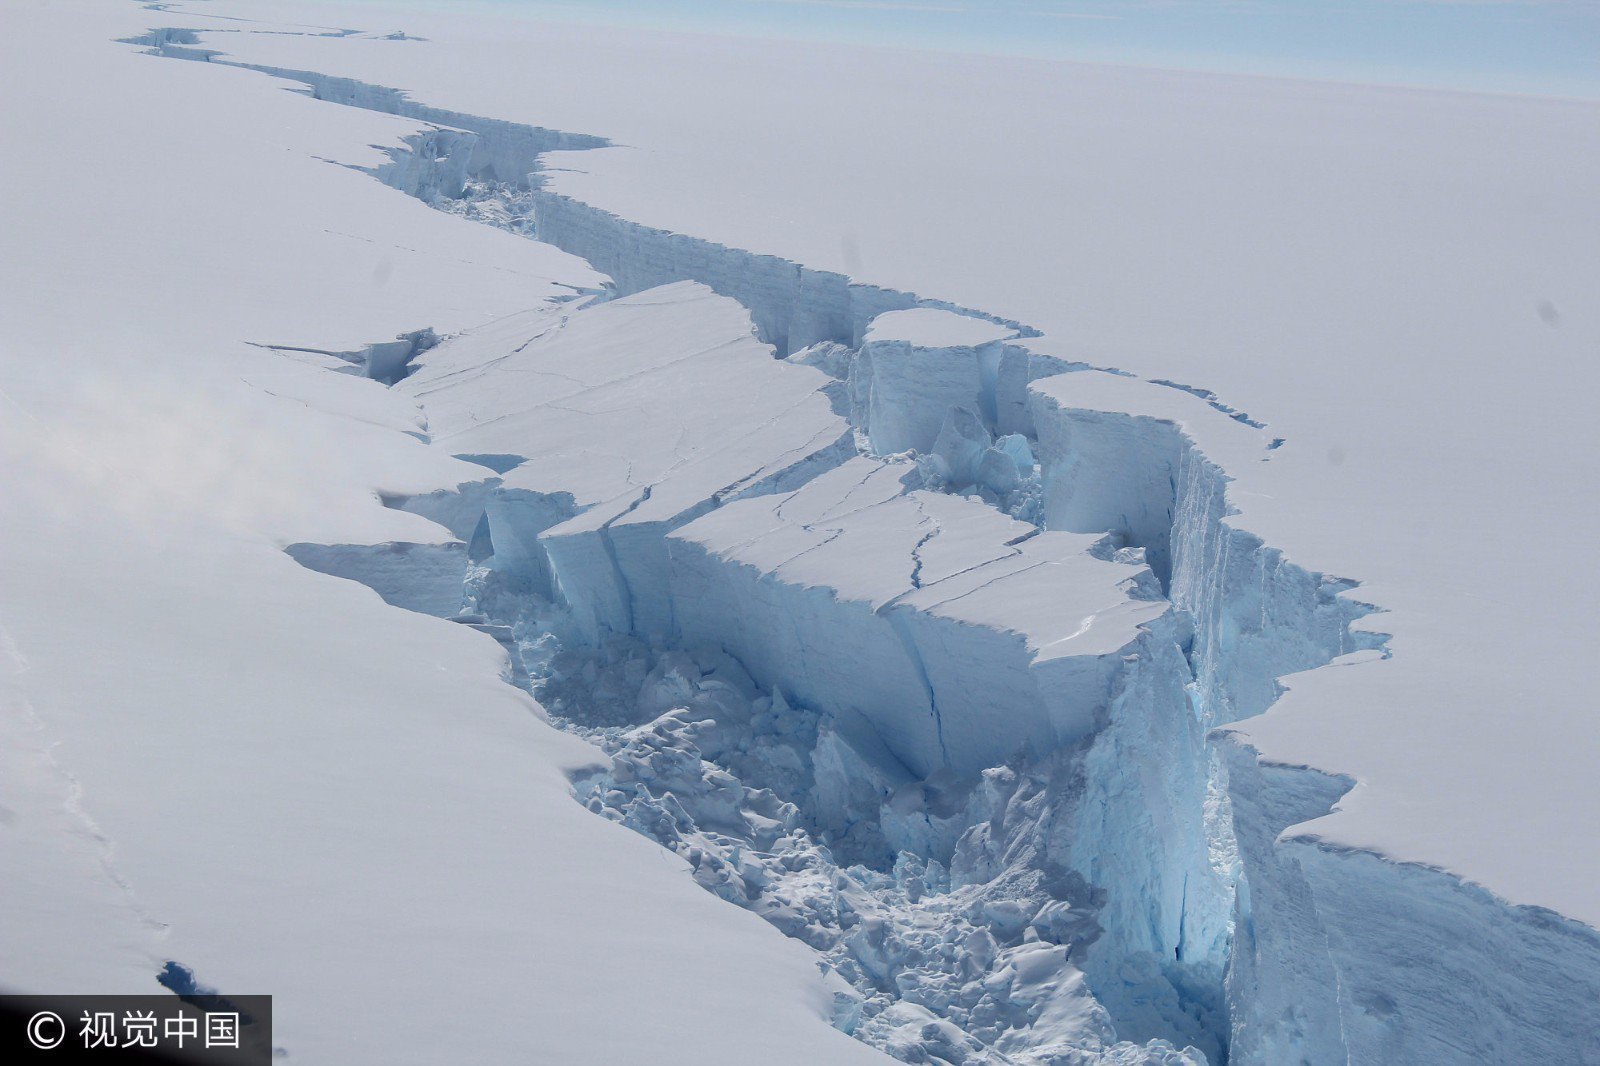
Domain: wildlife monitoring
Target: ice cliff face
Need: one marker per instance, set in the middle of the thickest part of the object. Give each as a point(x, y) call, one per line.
point(913, 643)
point(917, 610)
point(793, 306)
point(922, 364)
point(1257, 616)
point(1421, 966)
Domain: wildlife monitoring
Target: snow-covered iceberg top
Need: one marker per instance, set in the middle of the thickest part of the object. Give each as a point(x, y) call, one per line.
point(934, 327)
point(615, 422)
point(653, 403)
point(960, 634)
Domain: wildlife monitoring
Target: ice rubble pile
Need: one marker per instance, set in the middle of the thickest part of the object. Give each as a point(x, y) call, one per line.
point(858, 696)
point(972, 943)
point(939, 640)
point(968, 959)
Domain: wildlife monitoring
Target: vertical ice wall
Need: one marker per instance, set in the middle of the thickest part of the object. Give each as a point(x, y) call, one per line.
point(959, 635)
point(925, 362)
point(965, 643)
point(793, 306)
point(1347, 956)
point(1257, 616)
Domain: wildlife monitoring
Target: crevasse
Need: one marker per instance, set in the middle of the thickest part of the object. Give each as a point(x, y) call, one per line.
point(1114, 885)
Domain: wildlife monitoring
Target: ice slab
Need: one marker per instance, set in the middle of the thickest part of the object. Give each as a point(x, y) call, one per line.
point(921, 364)
point(961, 635)
point(630, 417)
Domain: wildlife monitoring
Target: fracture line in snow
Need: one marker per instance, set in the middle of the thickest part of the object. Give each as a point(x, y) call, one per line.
point(16, 665)
point(159, 42)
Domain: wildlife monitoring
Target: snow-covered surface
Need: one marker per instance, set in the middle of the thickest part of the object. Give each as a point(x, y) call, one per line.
point(668, 390)
point(614, 423)
point(215, 756)
point(1395, 281)
point(934, 327)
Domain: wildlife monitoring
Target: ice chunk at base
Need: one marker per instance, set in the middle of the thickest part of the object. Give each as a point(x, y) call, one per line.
point(631, 417)
point(959, 634)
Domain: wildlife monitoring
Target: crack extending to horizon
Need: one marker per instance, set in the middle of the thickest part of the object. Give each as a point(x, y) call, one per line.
point(509, 186)
point(489, 171)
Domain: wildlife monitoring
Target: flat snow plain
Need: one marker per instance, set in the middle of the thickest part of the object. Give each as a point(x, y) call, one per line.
point(1399, 283)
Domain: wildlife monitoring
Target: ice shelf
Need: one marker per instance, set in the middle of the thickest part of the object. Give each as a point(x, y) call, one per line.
point(1058, 851)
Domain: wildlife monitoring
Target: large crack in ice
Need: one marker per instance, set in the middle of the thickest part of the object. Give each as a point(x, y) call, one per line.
point(978, 918)
point(490, 170)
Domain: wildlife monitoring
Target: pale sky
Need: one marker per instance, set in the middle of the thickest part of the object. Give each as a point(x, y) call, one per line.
point(1523, 46)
